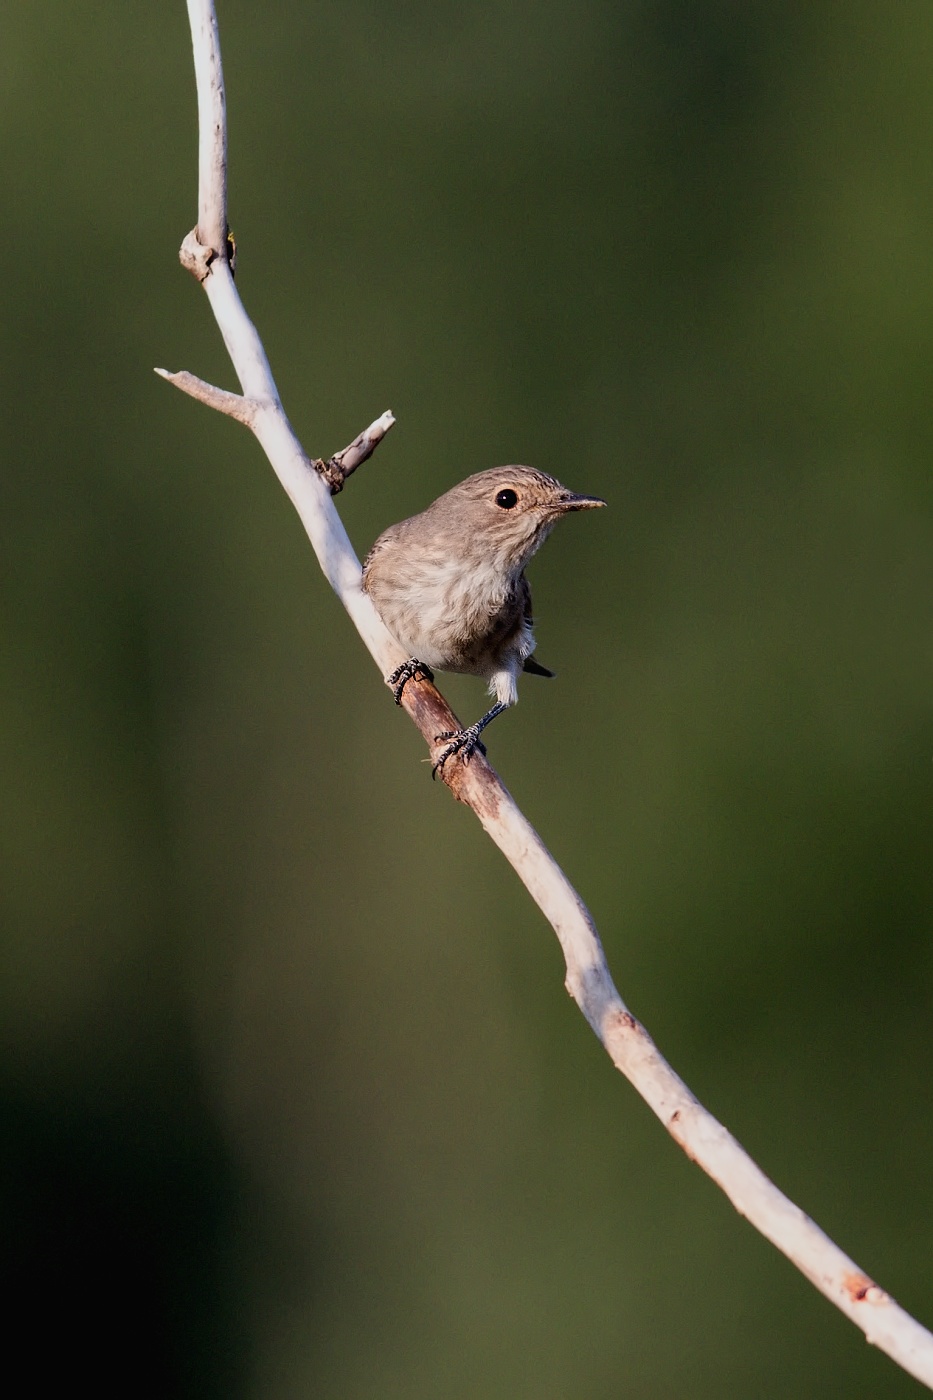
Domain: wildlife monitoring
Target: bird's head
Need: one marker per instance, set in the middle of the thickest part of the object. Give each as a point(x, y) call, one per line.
point(508, 511)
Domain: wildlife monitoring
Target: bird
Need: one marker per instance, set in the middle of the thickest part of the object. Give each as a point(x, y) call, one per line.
point(450, 586)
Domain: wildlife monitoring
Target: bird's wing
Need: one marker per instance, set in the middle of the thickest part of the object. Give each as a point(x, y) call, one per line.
point(385, 539)
point(524, 594)
point(534, 668)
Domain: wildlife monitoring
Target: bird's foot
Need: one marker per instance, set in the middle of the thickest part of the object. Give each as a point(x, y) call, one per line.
point(465, 742)
point(410, 670)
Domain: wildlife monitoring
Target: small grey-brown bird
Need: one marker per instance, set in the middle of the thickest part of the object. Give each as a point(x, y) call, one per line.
point(450, 585)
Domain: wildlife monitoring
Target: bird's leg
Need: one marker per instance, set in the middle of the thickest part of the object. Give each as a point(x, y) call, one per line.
point(465, 742)
point(410, 670)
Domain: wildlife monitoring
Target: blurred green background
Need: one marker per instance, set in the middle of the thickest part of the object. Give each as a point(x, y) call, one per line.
point(292, 1101)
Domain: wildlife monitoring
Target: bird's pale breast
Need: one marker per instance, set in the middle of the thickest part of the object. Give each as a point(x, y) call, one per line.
point(454, 613)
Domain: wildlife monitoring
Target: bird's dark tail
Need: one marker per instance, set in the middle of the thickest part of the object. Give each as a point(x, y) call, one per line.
point(533, 669)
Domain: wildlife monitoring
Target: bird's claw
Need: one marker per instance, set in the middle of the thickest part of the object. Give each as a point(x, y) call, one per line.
point(410, 670)
point(465, 742)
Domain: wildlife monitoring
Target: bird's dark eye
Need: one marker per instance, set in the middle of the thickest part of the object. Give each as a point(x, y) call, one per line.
point(507, 498)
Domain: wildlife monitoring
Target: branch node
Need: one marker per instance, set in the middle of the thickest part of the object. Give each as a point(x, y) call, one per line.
point(344, 463)
point(196, 257)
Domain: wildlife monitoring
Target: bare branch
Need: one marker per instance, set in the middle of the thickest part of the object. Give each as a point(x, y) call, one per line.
point(337, 468)
point(211, 231)
point(233, 405)
point(588, 980)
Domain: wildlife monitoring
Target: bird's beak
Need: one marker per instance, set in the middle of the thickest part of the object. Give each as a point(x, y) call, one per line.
point(571, 501)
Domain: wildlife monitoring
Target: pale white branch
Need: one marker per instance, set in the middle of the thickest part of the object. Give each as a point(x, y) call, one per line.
point(212, 126)
point(234, 405)
point(336, 470)
point(631, 1049)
